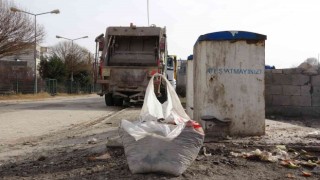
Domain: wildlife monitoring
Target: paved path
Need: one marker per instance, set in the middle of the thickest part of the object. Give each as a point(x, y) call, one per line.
point(21, 119)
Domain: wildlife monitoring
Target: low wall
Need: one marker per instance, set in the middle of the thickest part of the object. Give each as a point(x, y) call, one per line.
point(290, 92)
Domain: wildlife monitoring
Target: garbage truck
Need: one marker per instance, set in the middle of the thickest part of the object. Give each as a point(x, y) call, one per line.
point(128, 57)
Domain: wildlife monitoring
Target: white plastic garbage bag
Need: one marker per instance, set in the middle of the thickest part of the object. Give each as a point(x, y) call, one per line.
point(170, 111)
point(152, 110)
point(166, 146)
point(155, 154)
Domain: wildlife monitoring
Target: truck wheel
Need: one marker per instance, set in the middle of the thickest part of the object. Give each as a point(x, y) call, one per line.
point(118, 101)
point(108, 99)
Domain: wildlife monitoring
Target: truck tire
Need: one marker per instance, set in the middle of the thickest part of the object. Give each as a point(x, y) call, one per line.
point(118, 101)
point(108, 99)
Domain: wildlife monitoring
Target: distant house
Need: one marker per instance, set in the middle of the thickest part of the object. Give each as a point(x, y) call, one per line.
point(17, 72)
point(28, 57)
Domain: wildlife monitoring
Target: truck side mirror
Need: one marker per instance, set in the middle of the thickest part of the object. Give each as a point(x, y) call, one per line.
point(101, 44)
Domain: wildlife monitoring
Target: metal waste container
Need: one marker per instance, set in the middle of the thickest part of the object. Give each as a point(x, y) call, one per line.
point(229, 81)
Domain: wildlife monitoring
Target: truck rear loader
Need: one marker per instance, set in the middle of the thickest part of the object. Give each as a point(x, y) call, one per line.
point(129, 56)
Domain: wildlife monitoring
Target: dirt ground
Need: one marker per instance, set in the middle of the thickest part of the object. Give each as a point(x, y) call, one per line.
point(86, 151)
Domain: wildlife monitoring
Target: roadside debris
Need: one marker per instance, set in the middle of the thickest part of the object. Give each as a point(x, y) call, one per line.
point(92, 141)
point(290, 164)
point(290, 176)
point(29, 143)
point(306, 174)
point(101, 157)
point(115, 142)
point(205, 152)
point(262, 155)
point(294, 160)
point(42, 158)
point(315, 134)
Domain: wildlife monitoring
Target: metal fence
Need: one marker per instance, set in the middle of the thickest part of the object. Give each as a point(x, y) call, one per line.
point(20, 86)
point(51, 86)
point(17, 78)
point(75, 87)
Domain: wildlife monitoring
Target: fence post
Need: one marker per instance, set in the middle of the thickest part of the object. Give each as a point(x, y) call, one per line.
point(17, 84)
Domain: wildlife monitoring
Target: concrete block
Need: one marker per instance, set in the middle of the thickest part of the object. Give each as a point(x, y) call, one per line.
point(299, 79)
point(273, 110)
point(268, 100)
point(289, 111)
point(281, 79)
point(315, 101)
point(291, 90)
point(276, 71)
point(305, 90)
point(292, 71)
point(315, 80)
point(316, 90)
point(301, 101)
point(273, 89)
point(311, 112)
point(268, 71)
point(268, 77)
point(281, 100)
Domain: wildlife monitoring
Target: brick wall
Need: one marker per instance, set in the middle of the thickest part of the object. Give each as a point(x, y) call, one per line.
point(291, 92)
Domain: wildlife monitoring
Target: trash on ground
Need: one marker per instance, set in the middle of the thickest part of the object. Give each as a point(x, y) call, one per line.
point(296, 160)
point(290, 176)
point(101, 157)
point(315, 134)
point(281, 147)
point(309, 163)
point(42, 158)
point(164, 140)
point(205, 152)
point(290, 164)
point(115, 142)
point(92, 141)
point(262, 155)
point(306, 174)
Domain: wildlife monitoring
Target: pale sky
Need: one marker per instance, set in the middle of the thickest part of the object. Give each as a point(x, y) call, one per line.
point(292, 29)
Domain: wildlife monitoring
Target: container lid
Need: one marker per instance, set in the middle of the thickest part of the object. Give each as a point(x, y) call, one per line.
point(190, 57)
point(231, 35)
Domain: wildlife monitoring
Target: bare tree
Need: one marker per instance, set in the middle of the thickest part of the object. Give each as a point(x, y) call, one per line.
point(16, 31)
point(75, 57)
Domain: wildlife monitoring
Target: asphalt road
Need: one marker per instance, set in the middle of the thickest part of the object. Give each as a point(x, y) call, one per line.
point(22, 119)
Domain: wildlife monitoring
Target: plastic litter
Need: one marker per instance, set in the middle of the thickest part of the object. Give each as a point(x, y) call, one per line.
point(166, 120)
point(92, 141)
point(164, 139)
point(315, 134)
point(306, 174)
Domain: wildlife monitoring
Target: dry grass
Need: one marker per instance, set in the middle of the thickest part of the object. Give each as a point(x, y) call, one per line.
point(42, 95)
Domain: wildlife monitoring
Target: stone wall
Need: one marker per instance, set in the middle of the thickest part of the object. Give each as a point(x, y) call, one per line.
point(291, 92)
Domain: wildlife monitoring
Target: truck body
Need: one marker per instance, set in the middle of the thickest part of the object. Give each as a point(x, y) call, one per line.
point(129, 56)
